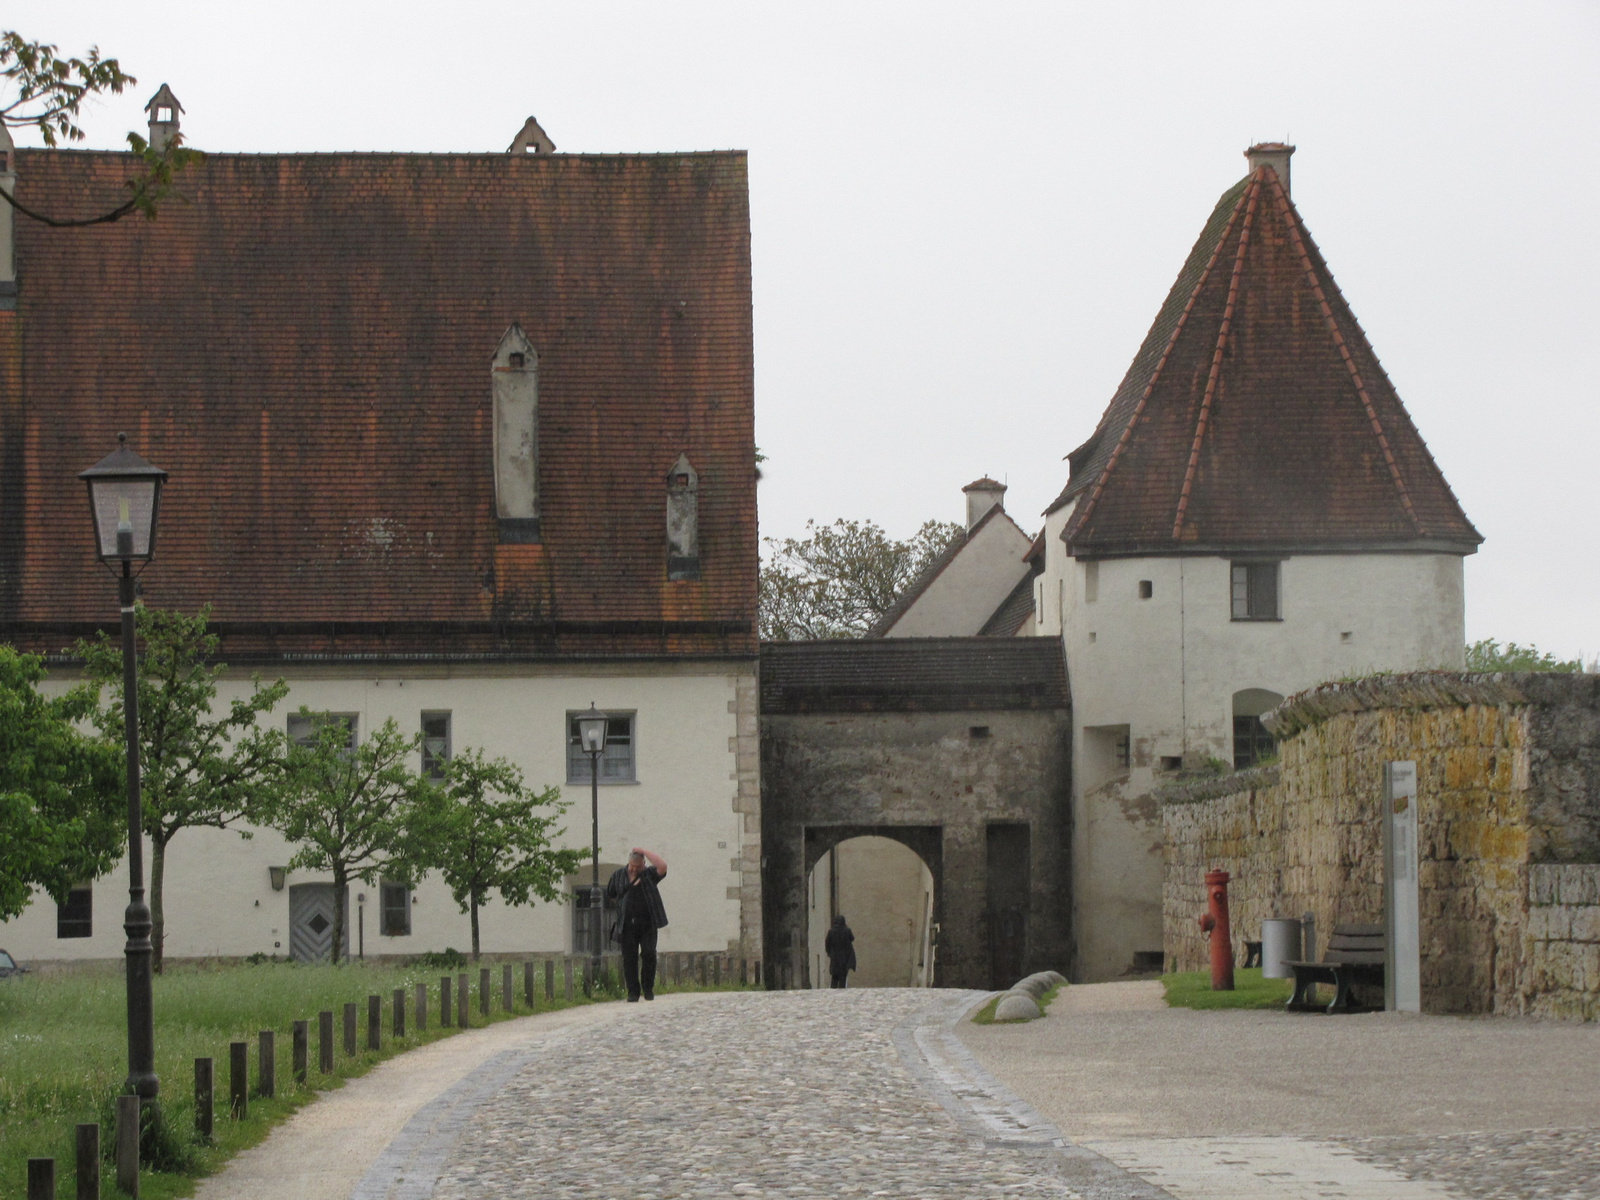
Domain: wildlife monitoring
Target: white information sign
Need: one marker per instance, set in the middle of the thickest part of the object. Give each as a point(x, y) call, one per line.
point(1402, 976)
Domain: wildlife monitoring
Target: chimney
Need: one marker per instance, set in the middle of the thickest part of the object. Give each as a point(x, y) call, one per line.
point(8, 221)
point(163, 109)
point(1274, 155)
point(532, 139)
point(982, 495)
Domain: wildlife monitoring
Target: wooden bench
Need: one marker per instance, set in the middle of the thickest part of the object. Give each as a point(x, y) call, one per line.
point(1355, 955)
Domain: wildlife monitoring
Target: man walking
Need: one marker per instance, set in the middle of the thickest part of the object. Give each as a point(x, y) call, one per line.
point(640, 914)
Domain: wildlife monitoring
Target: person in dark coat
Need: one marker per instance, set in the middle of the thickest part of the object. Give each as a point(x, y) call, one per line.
point(840, 945)
point(640, 914)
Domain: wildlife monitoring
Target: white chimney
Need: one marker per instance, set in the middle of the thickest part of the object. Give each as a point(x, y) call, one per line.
point(163, 109)
point(982, 495)
point(1274, 155)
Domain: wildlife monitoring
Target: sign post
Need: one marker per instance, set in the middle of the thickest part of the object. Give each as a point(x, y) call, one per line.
point(1402, 976)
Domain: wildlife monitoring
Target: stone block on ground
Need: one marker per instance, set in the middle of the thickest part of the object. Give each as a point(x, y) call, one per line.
point(1017, 1006)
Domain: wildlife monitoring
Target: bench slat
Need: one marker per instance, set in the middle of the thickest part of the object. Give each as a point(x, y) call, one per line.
point(1356, 929)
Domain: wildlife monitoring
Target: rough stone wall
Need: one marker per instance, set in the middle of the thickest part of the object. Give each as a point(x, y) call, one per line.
point(1563, 940)
point(1508, 771)
point(924, 779)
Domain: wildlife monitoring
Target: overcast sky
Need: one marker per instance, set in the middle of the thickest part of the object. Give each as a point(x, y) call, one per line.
point(966, 216)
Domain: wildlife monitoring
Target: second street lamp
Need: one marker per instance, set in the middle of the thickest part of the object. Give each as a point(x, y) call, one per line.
point(592, 737)
point(124, 497)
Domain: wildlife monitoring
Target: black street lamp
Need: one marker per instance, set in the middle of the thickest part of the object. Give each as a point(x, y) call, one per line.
point(592, 737)
point(124, 497)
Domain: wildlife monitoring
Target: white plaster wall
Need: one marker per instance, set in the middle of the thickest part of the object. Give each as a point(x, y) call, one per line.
point(1167, 667)
point(962, 597)
point(218, 896)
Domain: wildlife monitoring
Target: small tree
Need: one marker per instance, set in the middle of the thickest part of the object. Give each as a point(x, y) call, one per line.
point(837, 581)
point(1490, 655)
point(351, 809)
point(197, 769)
point(487, 831)
point(62, 812)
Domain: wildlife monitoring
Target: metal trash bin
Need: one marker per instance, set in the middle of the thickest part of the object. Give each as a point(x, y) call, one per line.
point(1280, 943)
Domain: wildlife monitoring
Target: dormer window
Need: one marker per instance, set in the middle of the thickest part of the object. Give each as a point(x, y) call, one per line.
point(514, 388)
point(683, 521)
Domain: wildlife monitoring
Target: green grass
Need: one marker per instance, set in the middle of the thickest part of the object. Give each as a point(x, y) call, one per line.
point(1192, 989)
point(985, 1015)
point(63, 1053)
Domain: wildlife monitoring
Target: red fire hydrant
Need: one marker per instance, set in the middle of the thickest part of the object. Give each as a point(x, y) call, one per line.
point(1214, 923)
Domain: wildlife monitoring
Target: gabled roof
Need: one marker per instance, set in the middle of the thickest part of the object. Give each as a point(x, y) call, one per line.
point(305, 343)
point(1255, 415)
point(1015, 611)
point(914, 591)
point(956, 674)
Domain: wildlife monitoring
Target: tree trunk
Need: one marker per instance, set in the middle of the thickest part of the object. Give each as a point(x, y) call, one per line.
point(158, 918)
point(474, 895)
point(341, 898)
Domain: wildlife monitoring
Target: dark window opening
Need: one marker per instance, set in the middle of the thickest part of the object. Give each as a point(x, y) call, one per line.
point(1255, 592)
point(435, 743)
point(1172, 762)
point(394, 900)
point(978, 731)
point(518, 361)
point(616, 760)
point(1146, 589)
point(75, 918)
point(1251, 742)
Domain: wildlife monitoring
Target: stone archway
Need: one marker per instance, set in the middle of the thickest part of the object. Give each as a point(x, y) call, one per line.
point(885, 891)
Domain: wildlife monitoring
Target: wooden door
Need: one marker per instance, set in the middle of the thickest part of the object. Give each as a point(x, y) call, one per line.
point(311, 908)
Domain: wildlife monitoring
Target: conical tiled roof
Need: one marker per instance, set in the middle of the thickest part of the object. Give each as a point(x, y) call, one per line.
point(1255, 415)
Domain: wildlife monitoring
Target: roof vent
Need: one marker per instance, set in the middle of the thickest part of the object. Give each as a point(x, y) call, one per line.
point(163, 109)
point(532, 140)
point(1274, 155)
point(982, 495)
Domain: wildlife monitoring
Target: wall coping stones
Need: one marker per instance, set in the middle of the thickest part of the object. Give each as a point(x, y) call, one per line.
point(1193, 791)
point(1428, 689)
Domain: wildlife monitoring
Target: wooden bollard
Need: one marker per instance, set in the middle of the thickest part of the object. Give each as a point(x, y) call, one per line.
point(422, 1008)
point(506, 998)
point(205, 1098)
point(462, 998)
point(238, 1080)
point(267, 1064)
point(566, 967)
point(399, 1012)
point(41, 1179)
point(550, 979)
point(527, 983)
point(301, 1039)
point(351, 1015)
point(127, 1145)
point(325, 1041)
point(744, 974)
point(483, 991)
point(374, 1022)
point(444, 1003)
point(89, 1161)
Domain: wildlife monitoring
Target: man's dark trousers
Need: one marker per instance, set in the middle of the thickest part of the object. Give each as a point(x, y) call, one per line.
point(639, 942)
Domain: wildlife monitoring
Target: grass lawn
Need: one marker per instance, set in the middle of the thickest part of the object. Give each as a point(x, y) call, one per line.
point(985, 1015)
point(63, 1054)
point(1192, 989)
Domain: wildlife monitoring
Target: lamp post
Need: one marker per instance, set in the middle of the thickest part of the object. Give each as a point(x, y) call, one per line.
point(124, 497)
point(592, 737)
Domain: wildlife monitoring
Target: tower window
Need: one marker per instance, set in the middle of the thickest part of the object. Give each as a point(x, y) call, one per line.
point(1256, 592)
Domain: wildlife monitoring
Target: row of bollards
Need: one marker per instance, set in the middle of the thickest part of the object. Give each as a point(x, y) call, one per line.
point(454, 1009)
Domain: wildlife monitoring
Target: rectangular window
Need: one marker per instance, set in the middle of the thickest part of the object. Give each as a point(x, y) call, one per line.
point(1251, 742)
point(1255, 592)
point(75, 918)
point(394, 901)
point(435, 743)
point(616, 761)
point(303, 725)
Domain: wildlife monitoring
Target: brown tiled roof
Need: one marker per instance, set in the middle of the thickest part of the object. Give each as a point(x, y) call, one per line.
point(305, 345)
point(958, 674)
point(1256, 415)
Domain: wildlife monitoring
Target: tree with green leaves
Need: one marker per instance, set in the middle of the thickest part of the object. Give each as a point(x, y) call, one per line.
point(63, 811)
point(838, 580)
point(354, 810)
point(487, 833)
point(199, 768)
point(39, 89)
point(1490, 655)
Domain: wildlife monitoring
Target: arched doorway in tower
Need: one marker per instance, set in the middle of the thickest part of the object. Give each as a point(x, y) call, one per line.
point(886, 894)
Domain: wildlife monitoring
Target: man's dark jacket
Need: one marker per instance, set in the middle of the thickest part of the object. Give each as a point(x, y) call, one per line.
point(624, 895)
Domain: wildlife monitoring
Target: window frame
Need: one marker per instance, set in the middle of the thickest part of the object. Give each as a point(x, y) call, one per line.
point(352, 722)
point(435, 769)
point(386, 890)
point(1251, 608)
point(67, 925)
point(578, 764)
